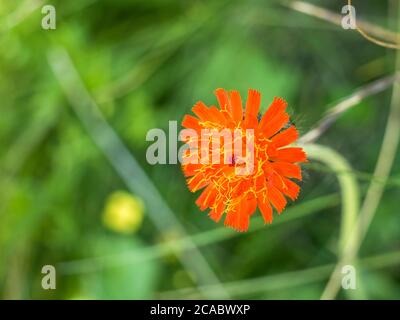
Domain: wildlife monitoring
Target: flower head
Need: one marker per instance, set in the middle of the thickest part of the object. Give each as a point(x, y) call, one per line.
point(239, 183)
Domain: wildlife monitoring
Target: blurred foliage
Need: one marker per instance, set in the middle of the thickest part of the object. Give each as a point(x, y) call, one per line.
point(147, 62)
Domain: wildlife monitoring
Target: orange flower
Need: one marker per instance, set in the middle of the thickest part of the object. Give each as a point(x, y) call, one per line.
point(274, 163)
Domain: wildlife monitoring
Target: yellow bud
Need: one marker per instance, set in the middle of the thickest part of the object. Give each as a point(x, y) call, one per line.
point(123, 212)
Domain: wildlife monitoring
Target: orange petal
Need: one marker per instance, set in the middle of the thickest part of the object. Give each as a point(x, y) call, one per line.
point(207, 197)
point(217, 116)
point(276, 198)
point(265, 207)
point(277, 107)
point(252, 108)
point(287, 169)
point(294, 154)
point(274, 125)
point(201, 111)
point(222, 97)
point(217, 212)
point(237, 109)
point(249, 206)
point(274, 116)
point(190, 169)
point(292, 189)
point(285, 137)
point(237, 220)
point(197, 182)
point(191, 122)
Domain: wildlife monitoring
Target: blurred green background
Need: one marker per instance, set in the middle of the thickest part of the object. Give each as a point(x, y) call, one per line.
point(63, 202)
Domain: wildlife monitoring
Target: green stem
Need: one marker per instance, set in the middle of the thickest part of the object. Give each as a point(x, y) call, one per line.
point(349, 189)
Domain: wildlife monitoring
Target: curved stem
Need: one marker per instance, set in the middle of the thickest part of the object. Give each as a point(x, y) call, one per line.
point(349, 188)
